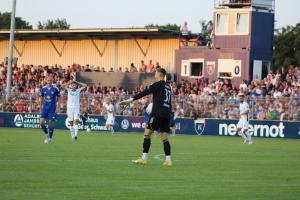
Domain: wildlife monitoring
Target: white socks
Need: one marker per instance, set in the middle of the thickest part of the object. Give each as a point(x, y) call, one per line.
point(168, 158)
point(75, 130)
point(243, 135)
point(145, 156)
point(72, 131)
point(112, 130)
point(173, 132)
point(249, 137)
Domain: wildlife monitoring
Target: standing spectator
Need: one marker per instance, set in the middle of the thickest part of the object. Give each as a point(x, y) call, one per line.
point(133, 68)
point(184, 28)
point(143, 66)
point(157, 66)
point(150, 67)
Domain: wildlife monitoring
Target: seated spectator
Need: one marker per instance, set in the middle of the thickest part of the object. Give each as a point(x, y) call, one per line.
point(120, 69)
point(111, 70)
point(102, 69)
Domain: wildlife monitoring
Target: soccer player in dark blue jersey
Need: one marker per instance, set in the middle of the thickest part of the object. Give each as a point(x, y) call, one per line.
point(48, 98)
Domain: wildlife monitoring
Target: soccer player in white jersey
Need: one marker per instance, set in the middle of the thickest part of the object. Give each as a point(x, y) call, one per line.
point(243, 124)
point(74, 89)
point(110, 114)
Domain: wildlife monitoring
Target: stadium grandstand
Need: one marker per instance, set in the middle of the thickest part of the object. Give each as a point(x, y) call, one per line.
point(276, 97)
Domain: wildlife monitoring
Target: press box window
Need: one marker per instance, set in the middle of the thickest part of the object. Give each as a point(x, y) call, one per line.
point(196, 69)
point(242, 23)
point(225, 75)
point(222, 23)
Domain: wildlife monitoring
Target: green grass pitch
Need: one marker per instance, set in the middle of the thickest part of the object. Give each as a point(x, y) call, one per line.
point(98, 166)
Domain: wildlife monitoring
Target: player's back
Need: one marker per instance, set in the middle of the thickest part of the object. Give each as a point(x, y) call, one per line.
point(162, 98)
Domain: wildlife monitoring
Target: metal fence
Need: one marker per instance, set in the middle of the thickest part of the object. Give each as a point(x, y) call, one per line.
point(189, 106)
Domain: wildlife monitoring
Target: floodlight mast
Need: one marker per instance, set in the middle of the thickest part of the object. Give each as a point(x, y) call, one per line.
point(11, 50)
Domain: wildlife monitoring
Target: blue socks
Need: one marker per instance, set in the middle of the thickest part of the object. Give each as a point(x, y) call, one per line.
point(44, 129)
point(51, 130)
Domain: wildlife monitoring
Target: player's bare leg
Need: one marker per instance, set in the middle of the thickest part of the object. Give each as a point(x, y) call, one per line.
point(76, 128)
point(71, 124)
point(146, 146)
point(167, 148)
point(248, 135)
point(242, 134)
point(110, 128)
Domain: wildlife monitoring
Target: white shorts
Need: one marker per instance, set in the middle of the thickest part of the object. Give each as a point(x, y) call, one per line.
point(110, 120)
point(73, 113)
point(243, 124)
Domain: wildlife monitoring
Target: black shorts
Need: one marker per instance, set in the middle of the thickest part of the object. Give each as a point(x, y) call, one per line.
point(159, 124)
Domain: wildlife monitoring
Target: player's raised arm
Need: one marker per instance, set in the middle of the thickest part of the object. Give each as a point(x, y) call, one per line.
point(146, 92)
point(159, 76)
point(65, 85)
point(83, 86)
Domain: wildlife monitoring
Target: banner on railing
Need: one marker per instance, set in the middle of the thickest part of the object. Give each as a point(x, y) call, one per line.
point(216, 127)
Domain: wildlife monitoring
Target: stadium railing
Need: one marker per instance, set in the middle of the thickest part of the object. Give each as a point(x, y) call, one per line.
point(203, 106)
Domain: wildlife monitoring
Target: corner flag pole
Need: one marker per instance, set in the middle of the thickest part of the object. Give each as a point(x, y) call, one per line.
point(11, 49)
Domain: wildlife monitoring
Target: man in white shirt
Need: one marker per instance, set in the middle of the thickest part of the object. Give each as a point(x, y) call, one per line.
point(110, 114)
point(243, 124)
point(74, 89)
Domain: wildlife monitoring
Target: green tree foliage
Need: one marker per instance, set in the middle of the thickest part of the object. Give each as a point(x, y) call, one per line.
point(287, 46)
point(172, 27)
point(54, 24)
point(5, 22)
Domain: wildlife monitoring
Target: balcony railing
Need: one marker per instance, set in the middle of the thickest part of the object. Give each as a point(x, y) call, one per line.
point(190, 106)
point(260, 4)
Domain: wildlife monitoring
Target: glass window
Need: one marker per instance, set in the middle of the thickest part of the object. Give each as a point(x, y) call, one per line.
point(222, 23)
point(242, 23)
point(196, 69)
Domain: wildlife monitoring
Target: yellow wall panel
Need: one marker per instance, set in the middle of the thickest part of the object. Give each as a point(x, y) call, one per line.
point(42, 52)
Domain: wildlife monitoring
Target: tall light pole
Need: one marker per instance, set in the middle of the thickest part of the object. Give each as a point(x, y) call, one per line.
point(11, 49)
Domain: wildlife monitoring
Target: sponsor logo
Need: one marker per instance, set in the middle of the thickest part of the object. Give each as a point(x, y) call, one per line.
point(199, 126)
point(18, 120)
point(256, 130)
point(125, 124)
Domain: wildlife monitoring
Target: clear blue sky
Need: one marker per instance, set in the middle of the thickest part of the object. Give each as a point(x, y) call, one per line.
point(133, 13)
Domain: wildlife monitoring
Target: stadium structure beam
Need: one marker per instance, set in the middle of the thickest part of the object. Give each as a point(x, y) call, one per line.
point(11, 49)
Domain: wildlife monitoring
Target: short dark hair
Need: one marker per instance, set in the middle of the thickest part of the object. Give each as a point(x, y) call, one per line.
point(162, 71)
point(168, 77)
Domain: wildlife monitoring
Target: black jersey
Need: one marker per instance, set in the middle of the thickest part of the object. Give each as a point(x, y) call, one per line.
point(162, 98)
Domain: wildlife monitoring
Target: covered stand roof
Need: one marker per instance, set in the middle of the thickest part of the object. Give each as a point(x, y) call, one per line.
point(104, 33)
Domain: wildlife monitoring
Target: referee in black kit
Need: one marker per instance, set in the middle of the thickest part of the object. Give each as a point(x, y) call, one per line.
point(159, 117)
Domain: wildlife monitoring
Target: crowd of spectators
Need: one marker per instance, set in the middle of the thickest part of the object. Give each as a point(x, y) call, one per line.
point(276, 97)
